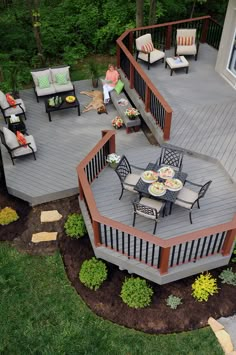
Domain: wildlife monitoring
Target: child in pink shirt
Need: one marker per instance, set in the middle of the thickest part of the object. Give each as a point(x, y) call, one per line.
point(113, 76)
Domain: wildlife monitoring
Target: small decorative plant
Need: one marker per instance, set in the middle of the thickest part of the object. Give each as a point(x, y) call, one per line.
point(228, 277)
point(75, 226)
point(203, 287)
point(113, 159)
point(93, 273)
point(173, 301)
point(136, 293)
point(117, 122)
point(132, 113)
point(7, 216)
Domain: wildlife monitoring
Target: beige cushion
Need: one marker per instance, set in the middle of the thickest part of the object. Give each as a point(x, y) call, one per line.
point(10, 138)
point(186, 195)
point(186, 50)
point(36, 74)
point(47, 91)
point(155, 55)
point(55, 71)
point(131, 179)
point(17, 110)
point(65, 87)
point(3, 100)
point(172, 64)
point(186, 32)
point(150, 203)
point(27, 150)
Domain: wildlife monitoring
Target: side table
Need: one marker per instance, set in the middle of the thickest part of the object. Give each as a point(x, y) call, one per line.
point(175, 63)
point(17, 126)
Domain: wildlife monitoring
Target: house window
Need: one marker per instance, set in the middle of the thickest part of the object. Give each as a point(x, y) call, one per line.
point(232, 58)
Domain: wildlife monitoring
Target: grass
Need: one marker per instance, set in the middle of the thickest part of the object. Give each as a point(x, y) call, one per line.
point(42, 314)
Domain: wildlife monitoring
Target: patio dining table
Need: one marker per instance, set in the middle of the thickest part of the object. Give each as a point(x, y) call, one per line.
point(170, 196)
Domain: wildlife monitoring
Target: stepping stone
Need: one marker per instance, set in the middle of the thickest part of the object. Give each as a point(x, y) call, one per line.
point(50, 216)
point(44, 237)
point(215, 326)
point(225, 341)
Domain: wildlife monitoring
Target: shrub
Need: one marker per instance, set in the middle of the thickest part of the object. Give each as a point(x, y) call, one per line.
point(203, 287)
point(8, 215)
point(173, 301)
point(136, 293)
point(228, 277)
point(75, 226)
point(92, 273)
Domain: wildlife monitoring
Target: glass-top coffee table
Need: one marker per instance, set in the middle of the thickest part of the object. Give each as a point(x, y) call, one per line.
point(63, 105)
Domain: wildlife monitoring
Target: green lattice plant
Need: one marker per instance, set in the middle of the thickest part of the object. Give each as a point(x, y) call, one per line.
point(228, 277)
point(203, 287)
point(173, 301)
point(93, 273)
point(75, 226)
point(136, 293)
point(7, 216)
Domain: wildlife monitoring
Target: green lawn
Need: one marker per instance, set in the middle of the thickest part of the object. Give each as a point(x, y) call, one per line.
point(40, 313)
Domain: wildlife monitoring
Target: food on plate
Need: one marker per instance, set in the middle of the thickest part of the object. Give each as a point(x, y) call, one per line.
point(174, 184)
point(70, 99)
point(166, 172)
point(150, 175)
point(157, 188)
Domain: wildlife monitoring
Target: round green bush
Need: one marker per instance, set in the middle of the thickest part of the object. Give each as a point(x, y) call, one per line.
point(136, 293)
point(92, 273)
point(7, 216)
point(75, 226)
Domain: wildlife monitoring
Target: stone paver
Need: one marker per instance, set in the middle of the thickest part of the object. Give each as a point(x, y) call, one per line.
point(44, 237)
point(50, 216)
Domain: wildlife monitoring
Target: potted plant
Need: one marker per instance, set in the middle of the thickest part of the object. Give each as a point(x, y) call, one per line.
point(113, 160)
point(132, 113)
point(94, 72)
point(117, 122)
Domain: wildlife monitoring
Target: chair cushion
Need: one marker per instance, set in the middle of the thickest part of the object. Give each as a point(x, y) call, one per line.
point(119, 87)
point(10, 138)
point(186, 195)
point(186, 50)
point(131, 179)
point(155, 55)
point(48, 91)
point(15, 110)
point(150, 203)
point(185, 41)
point(3, 100)
point(37, 74)
point(21, 138)
point(43, 82)
point(62, 88)
point(22, 150)
point(61, 78)
point(147, 47)
point(55, 71)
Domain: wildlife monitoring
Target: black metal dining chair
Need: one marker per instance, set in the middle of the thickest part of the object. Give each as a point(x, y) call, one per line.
point(172, 157)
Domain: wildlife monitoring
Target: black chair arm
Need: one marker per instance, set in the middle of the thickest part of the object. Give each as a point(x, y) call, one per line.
point(193, 183)
point(17, 104)
point(22, 145)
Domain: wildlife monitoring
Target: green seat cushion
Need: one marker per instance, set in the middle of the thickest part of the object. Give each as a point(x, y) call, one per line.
point(119, 87)
point(43, 82)
point(61, 78)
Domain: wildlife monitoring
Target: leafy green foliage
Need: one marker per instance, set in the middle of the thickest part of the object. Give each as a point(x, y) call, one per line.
point(173, 301)
point(228, 277)
point(93, 273)
point(203, 287)
point(136, 293)
point(7, 216)
point(75, 226)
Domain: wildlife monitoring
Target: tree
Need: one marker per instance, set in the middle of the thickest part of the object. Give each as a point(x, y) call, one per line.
point(194, 5)
point(152, 12)
point(139, 13)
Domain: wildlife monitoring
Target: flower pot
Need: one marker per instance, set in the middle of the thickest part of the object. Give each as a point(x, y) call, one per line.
point(113, 165)
point(132, 118)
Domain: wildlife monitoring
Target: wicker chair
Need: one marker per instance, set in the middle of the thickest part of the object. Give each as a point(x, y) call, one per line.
point(171, 157)
point(148, 208)
point(145, 50)
point(186, 43)
point(128, 180)
point(187, 198)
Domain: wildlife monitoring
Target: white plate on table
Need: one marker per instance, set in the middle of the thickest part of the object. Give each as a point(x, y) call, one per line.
point(166, 172)
point(157, 189)
point(149, 176)
point(173, 184)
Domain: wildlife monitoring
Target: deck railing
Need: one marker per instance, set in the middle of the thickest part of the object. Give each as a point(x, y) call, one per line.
point(144, 247)
point(208, 31)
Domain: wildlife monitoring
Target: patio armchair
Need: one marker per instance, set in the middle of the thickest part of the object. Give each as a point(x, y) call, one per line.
point(148, 208)
point(187, 198)
point(145, 50)
point(8, 110)
point(172, 157)
point(186, 42)
point(127, 179)
point(15, 150)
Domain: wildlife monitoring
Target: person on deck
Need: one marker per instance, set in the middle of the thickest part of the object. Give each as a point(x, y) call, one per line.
point(112, 76)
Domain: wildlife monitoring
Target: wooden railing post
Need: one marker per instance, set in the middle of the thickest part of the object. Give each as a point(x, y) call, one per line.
point(167, 126)
point(96, 233)
point(164, 260)
point(228, 242)
point(131, 41)
point(205, 29)
point(168, 37)
point(131, 68)
point(147, 99)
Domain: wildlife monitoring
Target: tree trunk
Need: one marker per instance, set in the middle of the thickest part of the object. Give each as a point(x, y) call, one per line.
point(139, 13)
point(193, 8)
point(152, 12)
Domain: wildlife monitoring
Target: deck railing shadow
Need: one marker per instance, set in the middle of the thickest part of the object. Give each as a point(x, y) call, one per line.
point(137, 245)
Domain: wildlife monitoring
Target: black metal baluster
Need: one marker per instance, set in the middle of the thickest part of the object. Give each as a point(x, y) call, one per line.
point(185, 251)
point(172, 255)
point(203, 246)
point(179, 253)
point(146, 256)
point(191, 250)
point(111, 237)
point(153, 253)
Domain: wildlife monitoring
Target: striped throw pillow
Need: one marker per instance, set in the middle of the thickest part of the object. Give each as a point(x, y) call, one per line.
point(185, 41)
point(147, 48)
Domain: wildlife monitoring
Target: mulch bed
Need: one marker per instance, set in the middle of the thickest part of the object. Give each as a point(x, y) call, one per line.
point(106, 301)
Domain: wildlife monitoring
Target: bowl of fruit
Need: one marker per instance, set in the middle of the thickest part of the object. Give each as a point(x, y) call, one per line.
point(70, 99)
